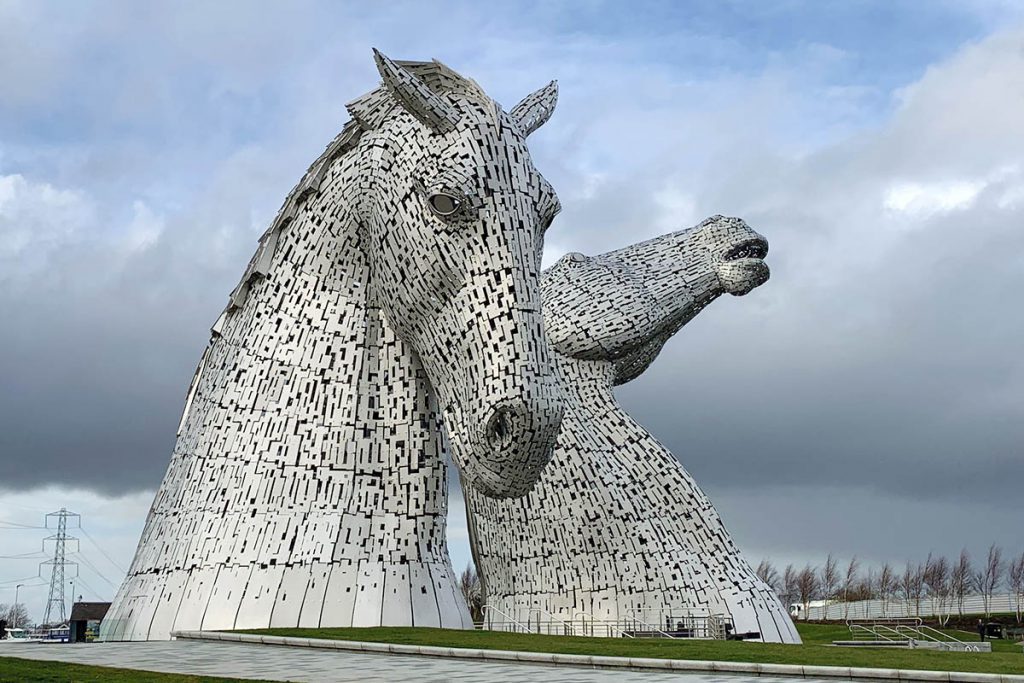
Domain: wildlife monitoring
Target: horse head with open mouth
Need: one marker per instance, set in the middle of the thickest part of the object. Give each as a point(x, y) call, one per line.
point(659, 285)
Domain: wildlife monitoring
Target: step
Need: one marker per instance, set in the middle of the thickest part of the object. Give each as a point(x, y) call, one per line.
point(872, 643)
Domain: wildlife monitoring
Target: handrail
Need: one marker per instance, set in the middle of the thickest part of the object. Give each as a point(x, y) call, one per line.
point(855, 629)
point(912, 630)
point(940, 637)
point(609, 624)
point(657, 629)
point(879, 629)
point(487, 609)
point(566, 626)
point(909, 621)
point(648, 627)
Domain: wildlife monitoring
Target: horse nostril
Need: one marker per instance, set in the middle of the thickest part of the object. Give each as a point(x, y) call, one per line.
point(501, 429)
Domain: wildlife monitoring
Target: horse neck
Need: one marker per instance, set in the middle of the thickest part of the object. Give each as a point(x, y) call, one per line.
point(587, 382)
point(335, 388)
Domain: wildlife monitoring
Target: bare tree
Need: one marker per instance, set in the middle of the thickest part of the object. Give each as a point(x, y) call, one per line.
point(472, 591)
point(849, 583)
point(866, 586)
point(886, 586)
point(911, 585)
point(989, 576)
point(807, 587)
point(829, 582)
point(1015, 581)
point(790, 593)
point(936, 582)
point(14, 615)
point(767, 572)
point(960, 579)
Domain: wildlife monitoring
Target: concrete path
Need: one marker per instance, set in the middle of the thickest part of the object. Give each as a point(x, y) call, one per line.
point(242, 660)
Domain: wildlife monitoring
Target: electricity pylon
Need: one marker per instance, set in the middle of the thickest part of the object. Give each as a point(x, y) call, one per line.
point(55, 603)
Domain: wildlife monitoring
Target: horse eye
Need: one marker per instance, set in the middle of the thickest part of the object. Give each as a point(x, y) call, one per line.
point(443, 204)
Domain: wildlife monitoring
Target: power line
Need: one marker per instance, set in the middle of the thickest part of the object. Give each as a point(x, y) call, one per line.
point(27, 578)
point(103, 552)
point(27, 526)
point(23, 585)
point(14, 526)
point(95, 571)
point(24, 556)
point(81, 582)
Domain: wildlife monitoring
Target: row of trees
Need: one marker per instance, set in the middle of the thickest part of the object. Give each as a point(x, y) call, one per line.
point(945, 583)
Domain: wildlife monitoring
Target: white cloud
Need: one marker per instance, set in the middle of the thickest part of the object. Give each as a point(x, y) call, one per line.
point(37, 218)
point(923, 200)
point(144, 228)
point(884, 337)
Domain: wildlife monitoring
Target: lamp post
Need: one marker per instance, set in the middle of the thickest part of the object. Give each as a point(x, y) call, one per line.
point(17, 589)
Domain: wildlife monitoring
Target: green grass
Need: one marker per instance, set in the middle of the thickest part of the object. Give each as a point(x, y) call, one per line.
point(17, 670)
point(817, 649)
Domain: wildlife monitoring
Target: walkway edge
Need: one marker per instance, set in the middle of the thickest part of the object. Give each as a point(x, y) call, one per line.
point(642, 663)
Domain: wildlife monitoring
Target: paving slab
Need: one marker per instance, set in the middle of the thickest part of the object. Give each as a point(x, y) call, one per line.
point(312, 665)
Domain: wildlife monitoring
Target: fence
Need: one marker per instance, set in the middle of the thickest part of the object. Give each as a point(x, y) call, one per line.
point(897, 608)
point(632, 625)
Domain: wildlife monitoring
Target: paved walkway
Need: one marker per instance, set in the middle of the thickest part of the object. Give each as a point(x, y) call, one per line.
point(241, 660)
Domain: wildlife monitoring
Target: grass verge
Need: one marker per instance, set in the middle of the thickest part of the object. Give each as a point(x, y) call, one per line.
point(1006, 658)
point(17, 670)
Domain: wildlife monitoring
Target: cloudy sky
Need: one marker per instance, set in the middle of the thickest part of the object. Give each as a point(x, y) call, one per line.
point(867, 400)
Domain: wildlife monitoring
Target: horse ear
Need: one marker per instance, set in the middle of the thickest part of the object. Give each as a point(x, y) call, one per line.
point(426, 106)
point(536, 108)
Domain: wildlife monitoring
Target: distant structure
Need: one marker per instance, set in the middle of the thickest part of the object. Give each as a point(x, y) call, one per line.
point(399, 281)
point(56, 612)
point(85, 620)
point(617, 530)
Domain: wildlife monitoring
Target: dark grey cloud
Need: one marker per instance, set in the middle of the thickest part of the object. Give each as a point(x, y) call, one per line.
point(884, 353)
point(915, 395)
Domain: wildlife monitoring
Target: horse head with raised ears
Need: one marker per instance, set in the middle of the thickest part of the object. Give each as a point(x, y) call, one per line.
point(451, 215)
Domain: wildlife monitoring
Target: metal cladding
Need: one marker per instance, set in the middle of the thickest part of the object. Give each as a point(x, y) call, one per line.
point(617, 529)
point(399, 291)
point(399, 282)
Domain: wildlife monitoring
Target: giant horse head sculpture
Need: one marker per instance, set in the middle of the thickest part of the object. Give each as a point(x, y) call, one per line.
point(451, 215)
point(624, 305)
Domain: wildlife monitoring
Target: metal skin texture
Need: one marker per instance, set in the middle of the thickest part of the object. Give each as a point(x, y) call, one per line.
point(398, 283)
point(617, 528)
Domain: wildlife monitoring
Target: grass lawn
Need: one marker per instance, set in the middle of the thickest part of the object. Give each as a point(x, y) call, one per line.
point(15, 670)
point(817, 649)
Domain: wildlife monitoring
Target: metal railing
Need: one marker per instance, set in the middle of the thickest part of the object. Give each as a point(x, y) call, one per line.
point(633, 625)
point(686, 624)
point(908, 631)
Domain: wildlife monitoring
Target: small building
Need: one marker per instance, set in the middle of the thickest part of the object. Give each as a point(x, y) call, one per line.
point(85, 620)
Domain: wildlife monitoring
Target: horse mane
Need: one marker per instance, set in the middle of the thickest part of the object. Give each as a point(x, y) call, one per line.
point(368, 112)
